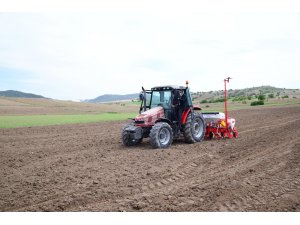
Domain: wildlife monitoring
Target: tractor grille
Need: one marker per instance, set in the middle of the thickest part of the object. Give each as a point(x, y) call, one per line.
point(139, 122)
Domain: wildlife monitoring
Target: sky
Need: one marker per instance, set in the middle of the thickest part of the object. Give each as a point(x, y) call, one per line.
point(73, 55)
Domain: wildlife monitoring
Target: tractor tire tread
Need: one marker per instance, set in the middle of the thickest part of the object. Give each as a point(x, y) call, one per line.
point(154, 135)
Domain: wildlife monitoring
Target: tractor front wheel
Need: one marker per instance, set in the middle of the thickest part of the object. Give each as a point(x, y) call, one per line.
point(126, 137)
point(161, 135)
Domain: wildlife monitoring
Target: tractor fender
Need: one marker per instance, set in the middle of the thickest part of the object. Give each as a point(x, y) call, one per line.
point(197, 108)
point(164, 120)
point(185, 115)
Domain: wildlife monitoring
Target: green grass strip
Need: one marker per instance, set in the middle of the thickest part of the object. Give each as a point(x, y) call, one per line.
point(45, 120)
point(220, 108)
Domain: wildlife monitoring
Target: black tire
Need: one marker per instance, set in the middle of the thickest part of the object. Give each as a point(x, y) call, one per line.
point(194, 130)
point(126, 139)
point(161, 135)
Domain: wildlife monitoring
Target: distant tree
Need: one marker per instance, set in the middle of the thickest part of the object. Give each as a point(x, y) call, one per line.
point(286, 96)
point(260, 102)
point(271, 95)
point(239, 99)
point(241, 93)
point(261, 97)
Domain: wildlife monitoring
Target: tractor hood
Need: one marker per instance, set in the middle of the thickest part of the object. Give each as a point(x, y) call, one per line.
point(149, 117)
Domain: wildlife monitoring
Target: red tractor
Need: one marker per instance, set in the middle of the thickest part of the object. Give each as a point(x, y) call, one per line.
point(166, 112)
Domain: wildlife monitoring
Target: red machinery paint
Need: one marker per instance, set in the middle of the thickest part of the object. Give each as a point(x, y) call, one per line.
point(224, 127)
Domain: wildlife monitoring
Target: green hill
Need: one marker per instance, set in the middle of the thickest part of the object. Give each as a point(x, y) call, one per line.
point(18, 94)
point(268, 91)
point(113, 98)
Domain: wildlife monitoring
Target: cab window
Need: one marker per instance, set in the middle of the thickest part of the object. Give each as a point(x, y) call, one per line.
point(161, 98)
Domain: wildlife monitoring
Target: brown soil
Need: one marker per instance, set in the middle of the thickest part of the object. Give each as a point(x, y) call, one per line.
point(84, 167)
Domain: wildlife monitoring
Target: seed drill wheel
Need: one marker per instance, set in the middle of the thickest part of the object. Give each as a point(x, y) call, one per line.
point(126, 139)
point(161, 135)
point(194, 129)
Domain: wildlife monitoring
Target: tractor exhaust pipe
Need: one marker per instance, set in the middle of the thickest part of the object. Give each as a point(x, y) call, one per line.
point(143, 99)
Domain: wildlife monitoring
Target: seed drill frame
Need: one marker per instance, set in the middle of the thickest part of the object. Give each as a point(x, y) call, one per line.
point(224, 127)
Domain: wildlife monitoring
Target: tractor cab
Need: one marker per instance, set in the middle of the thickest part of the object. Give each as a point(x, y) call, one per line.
point(173, 99)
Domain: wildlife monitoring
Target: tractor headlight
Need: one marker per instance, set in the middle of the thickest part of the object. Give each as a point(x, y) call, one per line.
point(139, 121)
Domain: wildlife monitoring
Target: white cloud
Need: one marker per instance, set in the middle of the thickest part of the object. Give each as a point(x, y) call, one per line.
point(83, 55)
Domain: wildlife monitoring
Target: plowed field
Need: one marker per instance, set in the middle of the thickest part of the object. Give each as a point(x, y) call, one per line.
point(84, 167)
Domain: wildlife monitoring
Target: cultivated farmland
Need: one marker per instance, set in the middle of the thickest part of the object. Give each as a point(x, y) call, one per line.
point(84, 167)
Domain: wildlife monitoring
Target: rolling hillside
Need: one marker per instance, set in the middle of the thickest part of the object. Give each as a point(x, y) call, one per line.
point(254, 91)
point(19, 94)
point(112, 98)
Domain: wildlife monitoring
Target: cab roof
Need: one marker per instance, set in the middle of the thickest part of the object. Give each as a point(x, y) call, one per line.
point(168, 87)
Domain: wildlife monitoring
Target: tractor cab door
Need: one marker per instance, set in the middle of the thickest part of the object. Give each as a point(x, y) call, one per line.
point(182, 102)
point(188, 98)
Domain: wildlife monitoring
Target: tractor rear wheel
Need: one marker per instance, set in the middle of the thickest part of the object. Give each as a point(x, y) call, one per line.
point(194, 129)
point(126, 138)
point(161, 135)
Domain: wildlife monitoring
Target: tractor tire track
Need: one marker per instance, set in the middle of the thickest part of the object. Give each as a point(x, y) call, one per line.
point(84, 171)
point(171, 184)
point(191, 170)
point(189, 177)
point(269, 126)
